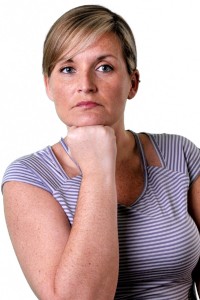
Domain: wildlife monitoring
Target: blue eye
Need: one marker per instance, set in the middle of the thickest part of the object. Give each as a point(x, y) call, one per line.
point(67, 70)
point(105, 68)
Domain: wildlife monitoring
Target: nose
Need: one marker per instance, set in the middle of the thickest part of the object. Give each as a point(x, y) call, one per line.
point(86, 83)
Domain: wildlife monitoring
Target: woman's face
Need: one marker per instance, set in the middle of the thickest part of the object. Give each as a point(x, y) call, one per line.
point(93, 86)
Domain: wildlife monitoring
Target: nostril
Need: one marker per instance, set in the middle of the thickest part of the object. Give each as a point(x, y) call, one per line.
point(87, 88)
point(86, 82)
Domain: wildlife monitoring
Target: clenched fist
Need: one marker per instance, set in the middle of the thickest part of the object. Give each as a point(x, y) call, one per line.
point(93, 148)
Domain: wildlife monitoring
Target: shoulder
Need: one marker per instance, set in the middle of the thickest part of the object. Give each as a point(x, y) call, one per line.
point(38, 168)
point(178, 152)
point(173, 142)
point(168, 139)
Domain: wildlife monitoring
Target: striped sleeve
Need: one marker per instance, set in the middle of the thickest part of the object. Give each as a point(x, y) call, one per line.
point(192, 157)
point(18, 171)
point(179, 154)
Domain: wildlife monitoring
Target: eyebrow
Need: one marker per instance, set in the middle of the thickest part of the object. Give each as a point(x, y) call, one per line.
point(99, 58)
point(105, 56)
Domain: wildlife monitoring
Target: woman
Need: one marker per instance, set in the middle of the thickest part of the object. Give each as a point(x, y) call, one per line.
point(104, 213)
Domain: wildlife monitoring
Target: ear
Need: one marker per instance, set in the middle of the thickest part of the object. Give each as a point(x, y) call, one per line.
point(48, 87)
point(135, 79)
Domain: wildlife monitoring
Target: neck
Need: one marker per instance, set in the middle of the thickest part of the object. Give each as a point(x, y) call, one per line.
point(125, 146)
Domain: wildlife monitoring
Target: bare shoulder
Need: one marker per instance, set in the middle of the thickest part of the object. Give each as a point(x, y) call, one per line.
point(39, 230)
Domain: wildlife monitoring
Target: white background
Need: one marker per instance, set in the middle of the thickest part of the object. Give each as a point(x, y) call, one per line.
point(167, 34)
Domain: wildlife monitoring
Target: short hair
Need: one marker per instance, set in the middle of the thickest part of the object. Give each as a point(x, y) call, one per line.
point(79, 27)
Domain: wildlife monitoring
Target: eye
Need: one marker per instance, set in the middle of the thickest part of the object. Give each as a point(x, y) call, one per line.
point(105, 68)
point(67, 70)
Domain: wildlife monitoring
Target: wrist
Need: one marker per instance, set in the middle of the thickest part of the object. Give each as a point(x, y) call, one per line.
point(99, 171)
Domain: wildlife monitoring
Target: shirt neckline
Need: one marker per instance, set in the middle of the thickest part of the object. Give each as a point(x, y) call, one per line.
point(144, 165)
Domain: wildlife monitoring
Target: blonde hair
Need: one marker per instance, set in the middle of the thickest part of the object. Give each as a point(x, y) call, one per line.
point(79, 27)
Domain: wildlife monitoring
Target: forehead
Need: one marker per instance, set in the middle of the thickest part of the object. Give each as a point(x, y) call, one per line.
point(108, 44)
point(107, 40)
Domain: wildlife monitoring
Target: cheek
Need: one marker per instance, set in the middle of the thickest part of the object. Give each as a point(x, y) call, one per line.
point(120, 92)
point(59, 93)
point(112, 89)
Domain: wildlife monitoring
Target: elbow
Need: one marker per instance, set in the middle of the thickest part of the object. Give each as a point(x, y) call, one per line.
point(103, 290)
point(99, 283)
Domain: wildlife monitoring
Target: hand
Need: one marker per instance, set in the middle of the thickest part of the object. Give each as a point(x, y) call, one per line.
point(93, 147)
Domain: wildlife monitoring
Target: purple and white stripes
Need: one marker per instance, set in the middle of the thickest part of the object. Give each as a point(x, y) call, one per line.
point(159, 242)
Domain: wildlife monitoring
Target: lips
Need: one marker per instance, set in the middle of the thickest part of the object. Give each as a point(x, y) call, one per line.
point(87, 104)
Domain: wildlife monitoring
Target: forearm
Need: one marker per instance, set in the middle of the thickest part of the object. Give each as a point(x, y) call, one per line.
point(89, 265)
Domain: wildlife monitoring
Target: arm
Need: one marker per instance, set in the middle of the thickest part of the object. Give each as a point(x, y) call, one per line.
point(194, 209)
point(63, 263)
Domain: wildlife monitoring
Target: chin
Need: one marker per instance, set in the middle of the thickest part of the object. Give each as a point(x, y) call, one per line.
point(86, 122)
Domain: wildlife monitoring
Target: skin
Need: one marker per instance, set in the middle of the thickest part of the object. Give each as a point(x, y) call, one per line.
point(82, 261)
point(93, 75)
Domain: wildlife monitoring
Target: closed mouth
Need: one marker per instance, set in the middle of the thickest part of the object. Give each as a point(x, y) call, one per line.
point(87, 104)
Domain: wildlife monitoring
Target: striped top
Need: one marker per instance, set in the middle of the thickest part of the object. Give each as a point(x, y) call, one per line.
point(158, 241)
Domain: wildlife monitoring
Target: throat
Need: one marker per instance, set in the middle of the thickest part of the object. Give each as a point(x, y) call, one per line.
point(130, 181)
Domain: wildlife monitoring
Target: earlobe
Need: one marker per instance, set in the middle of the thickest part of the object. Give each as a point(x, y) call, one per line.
point(47, 87)
point(135, 79)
